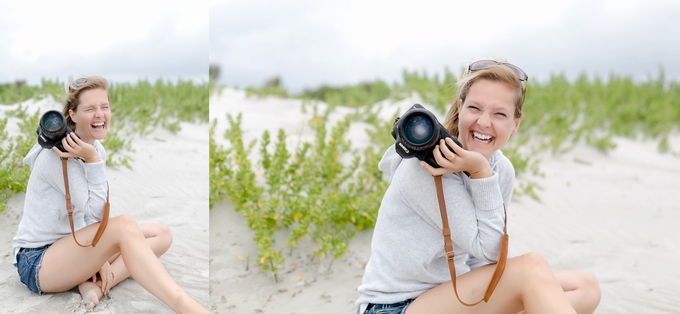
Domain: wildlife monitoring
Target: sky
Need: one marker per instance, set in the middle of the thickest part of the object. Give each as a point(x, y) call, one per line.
point(124, 41)
point(308, 43)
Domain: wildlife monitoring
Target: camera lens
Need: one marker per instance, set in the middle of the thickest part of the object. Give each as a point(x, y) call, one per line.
point(418, 130)
point(53, 124)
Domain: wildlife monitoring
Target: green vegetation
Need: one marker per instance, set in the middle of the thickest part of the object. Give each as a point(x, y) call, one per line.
point(137, 109)
point(308, 192)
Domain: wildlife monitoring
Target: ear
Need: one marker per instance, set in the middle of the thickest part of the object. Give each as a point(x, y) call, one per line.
point(72, 114)
point(518, 121)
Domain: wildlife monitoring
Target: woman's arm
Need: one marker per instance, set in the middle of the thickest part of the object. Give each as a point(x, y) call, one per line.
point(474, 204)
point(87, 177)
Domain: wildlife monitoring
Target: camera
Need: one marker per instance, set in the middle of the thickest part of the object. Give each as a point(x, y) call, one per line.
point(52, 129)
point(417, 132)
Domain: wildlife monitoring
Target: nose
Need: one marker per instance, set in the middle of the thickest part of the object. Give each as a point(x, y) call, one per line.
point(484, 120)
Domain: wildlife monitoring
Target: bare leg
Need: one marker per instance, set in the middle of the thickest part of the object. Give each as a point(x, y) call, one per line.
point(527, 284)
point(158, 237)
point(66, 265)
point(582, 290)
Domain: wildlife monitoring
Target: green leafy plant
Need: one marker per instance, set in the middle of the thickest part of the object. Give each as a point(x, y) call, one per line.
point(314, 191)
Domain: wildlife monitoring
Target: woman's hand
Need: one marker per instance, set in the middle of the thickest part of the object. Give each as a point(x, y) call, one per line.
point(75, 147)
point(107, 277)
point(474, 163)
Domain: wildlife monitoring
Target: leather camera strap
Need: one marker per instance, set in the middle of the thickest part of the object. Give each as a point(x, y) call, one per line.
point(448, 247)
point(69, 209)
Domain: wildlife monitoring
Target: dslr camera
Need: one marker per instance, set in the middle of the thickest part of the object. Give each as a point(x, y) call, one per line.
point(417, 132)
point(52, 129)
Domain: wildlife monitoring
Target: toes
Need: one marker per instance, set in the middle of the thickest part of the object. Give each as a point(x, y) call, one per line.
point(90, 300)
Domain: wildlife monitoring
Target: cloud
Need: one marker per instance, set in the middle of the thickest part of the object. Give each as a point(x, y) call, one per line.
point(167, 40)
point(308, 43)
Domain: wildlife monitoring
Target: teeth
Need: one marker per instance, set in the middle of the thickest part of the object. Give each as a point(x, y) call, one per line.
point(98, 124)
point(480, 136)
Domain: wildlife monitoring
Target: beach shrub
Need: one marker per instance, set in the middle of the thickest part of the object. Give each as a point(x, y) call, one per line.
point(13, 173)
point(316, 191)
point(558, 113)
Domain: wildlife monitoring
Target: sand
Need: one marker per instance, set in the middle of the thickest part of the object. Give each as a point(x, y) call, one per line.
point(168, 184)
point(612, 214)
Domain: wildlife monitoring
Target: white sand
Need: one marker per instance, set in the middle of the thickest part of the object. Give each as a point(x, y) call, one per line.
point(613, 215)
point(169, 185)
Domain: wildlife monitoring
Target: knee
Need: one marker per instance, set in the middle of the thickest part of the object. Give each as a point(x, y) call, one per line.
point(534, 266)
point(590, 286)
point(534, 262)
point(165, 235)
point(125, 225)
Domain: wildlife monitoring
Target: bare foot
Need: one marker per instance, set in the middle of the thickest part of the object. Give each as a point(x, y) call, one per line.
point(91, 293)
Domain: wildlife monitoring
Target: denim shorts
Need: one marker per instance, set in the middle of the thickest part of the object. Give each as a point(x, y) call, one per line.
point(28, 265)
point(394, 308)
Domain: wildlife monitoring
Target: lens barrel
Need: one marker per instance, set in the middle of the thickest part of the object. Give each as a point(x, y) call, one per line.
point(53, 125)
point(419, 129)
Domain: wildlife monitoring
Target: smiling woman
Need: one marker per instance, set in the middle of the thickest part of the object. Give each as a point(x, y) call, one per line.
point(47, 258)
point(477, 180)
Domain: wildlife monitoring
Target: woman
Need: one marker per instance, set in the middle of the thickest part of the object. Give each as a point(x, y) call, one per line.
point(46, 255)
point(407, 271)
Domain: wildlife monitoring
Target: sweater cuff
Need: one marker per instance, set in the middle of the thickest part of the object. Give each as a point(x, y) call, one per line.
point(95, 172)
point(486, 193)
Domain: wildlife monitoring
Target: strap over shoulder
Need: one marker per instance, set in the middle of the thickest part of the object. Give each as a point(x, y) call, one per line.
point(448, 247)
point(69, 209)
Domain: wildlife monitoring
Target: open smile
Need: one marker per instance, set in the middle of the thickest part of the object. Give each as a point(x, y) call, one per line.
point(481, 137)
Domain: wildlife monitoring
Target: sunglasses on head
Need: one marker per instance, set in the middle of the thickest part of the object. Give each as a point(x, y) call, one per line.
point(485, 64)
point(75, 84)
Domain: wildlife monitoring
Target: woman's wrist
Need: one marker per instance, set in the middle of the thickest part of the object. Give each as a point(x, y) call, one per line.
point(91, 159)
point(482, 172)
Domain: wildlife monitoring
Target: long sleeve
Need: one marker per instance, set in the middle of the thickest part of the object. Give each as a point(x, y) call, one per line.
point(45, 219)
point(407, 249)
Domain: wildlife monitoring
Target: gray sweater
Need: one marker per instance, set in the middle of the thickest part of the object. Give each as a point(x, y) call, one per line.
point(407, 250)
point(45, 219)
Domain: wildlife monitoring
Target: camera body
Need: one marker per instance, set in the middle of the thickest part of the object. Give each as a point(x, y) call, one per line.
point(417, 132)
point(52, 129)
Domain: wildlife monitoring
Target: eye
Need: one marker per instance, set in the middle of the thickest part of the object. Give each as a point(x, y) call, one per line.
point(501, 114)
point(473, 108)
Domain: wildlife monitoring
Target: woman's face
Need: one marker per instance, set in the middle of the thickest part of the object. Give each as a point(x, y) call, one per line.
point(487, 117)
point(92, 116)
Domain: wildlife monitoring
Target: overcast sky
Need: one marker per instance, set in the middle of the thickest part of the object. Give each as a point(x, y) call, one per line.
point(120, 40)
point(308, 43)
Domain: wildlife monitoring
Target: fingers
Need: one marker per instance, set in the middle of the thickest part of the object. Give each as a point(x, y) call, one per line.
point(433, 171)
point(73, 146)
point(446, 151)
point(71, 139)
point(456, 149)
point(108, 284)
point(439, 158)
point(60, 153)
point(75, 138)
